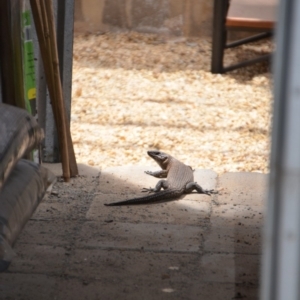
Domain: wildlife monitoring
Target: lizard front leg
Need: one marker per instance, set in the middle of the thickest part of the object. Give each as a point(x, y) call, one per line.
point(160, 184)
point(158, 174)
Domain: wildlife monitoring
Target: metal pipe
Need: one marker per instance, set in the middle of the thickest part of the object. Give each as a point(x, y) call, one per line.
point(281, 251)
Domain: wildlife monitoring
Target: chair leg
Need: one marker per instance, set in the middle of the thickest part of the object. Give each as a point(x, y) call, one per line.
point(266, 57)
point(219, 35)
point(250, 39)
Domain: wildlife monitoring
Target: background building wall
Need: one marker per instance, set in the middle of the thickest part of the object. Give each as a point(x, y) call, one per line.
point(172, 17)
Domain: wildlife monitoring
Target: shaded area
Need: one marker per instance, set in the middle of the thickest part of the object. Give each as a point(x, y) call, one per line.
point(198, 247)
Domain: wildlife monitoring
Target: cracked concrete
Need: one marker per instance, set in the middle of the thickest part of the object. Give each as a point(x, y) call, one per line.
point(197, 247)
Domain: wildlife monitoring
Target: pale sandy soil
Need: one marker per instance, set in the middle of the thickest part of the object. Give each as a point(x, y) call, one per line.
point(133, 92)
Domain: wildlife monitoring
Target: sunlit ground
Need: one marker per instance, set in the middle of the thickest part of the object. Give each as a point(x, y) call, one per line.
point(133, 92)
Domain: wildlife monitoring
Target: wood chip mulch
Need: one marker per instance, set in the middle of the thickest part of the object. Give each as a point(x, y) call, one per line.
point(133, 92)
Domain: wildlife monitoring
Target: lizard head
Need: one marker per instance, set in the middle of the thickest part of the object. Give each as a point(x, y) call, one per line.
point(161, 158)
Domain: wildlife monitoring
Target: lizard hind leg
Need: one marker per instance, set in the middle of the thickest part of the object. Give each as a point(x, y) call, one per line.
point(195, 186)
point(161, 184)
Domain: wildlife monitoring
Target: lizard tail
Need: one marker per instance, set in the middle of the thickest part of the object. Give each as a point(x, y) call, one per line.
point(156, 197)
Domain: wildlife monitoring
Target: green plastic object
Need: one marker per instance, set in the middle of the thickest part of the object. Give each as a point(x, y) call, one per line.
point(28, 61)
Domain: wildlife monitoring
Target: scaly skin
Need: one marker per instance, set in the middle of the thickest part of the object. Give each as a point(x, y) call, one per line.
point(179, 181)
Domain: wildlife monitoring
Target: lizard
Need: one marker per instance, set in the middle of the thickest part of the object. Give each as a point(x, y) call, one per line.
point(179, 181)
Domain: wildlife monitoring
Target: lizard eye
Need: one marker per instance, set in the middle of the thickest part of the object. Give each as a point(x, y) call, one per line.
point(163, 156)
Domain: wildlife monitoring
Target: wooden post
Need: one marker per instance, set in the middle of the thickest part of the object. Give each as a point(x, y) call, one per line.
point(42, 11)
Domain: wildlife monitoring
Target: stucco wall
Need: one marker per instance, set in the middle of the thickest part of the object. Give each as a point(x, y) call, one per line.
point(174, 17)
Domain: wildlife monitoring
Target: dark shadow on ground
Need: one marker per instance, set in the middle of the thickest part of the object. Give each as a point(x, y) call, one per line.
point(197, 248)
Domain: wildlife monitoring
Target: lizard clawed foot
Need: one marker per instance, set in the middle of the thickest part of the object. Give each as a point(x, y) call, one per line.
point(145, 190)
point(149, 172)
point(210, 192)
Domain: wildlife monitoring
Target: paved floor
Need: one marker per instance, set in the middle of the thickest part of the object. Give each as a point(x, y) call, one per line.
point(199, 247)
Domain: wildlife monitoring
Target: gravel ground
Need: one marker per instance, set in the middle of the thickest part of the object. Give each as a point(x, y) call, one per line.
point(133, 92)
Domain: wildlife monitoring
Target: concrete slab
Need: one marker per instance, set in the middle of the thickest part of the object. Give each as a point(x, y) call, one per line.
point(27, 286)
point(40, 259)
point(230, 267)
point(65, 207)
point(188, 212)
point(58, 233)
point(243, 188)
point(233, 240)
point(91, 263)
point(70, 201)
point(237, 215)
point(237, 219)
point(206, 178)
point(149, 290)
point(83, 170)
point(141, 236)
point(197, 247)
point(131, 179)
point(222, 291)
point(126, 180)
point(127, 289)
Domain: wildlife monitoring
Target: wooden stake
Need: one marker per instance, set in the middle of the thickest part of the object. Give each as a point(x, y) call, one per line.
point(42, 11)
